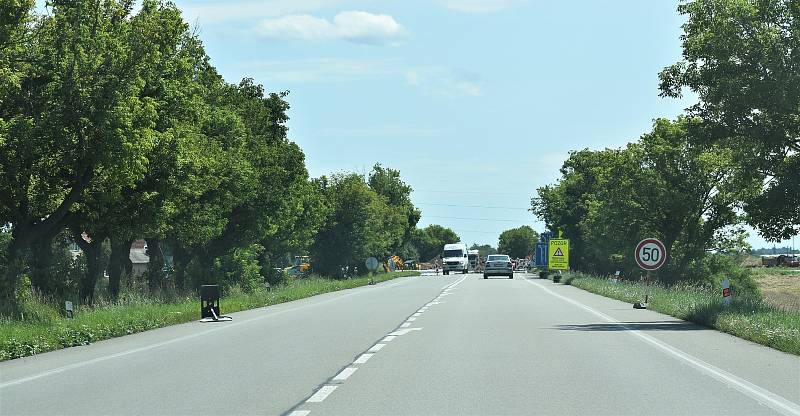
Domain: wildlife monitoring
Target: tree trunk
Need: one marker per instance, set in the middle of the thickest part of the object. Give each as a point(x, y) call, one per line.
point(155, 264)
point(118, 262)
point(9, 280)
point(41, 265)
point(93, 252)
point(180, 260)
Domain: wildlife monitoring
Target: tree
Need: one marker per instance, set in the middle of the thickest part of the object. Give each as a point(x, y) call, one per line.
point(484, 250)
point(430, 241)
point(361, 224)
point(387, 183)
point(77, 119)
point(518, 242)
point(741, 59)
point(666, 185)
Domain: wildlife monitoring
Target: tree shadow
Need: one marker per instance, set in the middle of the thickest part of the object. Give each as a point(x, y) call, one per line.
point(633, 326)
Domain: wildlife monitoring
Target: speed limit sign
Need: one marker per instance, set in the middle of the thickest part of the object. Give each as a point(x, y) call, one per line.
point(650, 254)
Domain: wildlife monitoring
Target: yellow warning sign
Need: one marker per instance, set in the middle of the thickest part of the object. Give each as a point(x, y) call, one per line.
point(559, 254)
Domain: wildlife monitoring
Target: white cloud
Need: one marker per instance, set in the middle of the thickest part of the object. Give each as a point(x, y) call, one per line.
point(479, 6)
point(218, 11)
point(434, 80)
point(353, 26)
point(467, 87)
point(323, 69)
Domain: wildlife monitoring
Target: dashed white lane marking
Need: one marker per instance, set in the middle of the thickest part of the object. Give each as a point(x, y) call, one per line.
point(411, 319)
point(363, 358)
point(403, 331)
point(405, 325)
point(344, 374)
point(310, 303)
point(321, 394)
point(300, 413)
point(762, 395)
point(376, 347)
point(388, 338)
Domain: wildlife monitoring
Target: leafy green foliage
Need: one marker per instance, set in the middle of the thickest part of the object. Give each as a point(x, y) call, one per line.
point(740, 58)
point(21, 339)
point(667, 185)
point(484, 249)
point(362, 222)
point(430, 240)
point(518, 242)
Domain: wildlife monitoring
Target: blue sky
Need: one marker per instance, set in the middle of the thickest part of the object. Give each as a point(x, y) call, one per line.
point(476, 102)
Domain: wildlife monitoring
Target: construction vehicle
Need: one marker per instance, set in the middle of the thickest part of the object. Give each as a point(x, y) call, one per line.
point(393, 263)
point(300, 267)
point(783, 260)
point(474, 257)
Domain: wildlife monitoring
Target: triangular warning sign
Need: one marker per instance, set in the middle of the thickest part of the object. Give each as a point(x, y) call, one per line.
point(558, 253)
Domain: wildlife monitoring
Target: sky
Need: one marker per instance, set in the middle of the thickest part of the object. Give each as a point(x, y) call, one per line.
point(476, 102)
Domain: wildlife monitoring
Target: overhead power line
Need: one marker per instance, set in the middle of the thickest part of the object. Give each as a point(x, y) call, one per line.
point(469, 206)
point(466, 192)
point(474, 219)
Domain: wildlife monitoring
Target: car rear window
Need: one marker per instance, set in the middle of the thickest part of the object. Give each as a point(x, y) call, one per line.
point(497, 258)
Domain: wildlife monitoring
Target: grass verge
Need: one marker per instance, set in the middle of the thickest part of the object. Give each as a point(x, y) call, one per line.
point(22, 339)
point(751, 319)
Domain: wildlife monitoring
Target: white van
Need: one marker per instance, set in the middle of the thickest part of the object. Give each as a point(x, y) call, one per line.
point(454, 258)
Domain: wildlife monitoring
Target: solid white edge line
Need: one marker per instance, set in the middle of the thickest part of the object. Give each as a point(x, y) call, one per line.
point(182, 338)
point(321, 394)
point(760, 394)
point(344, 374)
point(363, 358)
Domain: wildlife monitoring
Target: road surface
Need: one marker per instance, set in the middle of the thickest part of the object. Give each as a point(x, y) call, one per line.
point(442, 345)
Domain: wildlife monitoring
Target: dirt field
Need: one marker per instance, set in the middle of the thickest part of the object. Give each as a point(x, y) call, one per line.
point(780, 286)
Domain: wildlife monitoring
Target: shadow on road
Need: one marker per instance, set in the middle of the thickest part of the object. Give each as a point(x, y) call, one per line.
point(628, 326)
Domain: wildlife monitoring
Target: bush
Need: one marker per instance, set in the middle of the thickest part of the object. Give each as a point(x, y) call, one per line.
point(241, 268)
point(33, 307)
point(712, 269)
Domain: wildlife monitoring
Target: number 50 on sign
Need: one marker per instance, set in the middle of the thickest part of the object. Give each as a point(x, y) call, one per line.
point(650, 254)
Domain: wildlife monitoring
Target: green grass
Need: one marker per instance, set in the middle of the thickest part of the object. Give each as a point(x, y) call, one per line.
point(45, 330)
point(748, 318)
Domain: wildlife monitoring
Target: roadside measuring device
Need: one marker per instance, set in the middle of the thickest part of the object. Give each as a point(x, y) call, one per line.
point(650, 254)
point(68, 309)
point(558, 254)
point(726, 292)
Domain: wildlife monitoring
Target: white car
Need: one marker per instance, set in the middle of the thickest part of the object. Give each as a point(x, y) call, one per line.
point(498, 265)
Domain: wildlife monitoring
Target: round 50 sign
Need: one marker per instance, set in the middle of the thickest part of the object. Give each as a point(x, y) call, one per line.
point(650, 254)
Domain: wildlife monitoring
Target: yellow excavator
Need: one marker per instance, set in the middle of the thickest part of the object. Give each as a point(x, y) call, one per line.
point(300, 267)
point(393, 263)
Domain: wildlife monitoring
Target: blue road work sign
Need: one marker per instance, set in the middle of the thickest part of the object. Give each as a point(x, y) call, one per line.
point(541, 254)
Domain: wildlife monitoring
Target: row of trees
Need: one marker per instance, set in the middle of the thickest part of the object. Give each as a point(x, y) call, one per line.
point(734, 157)
point(114, 126)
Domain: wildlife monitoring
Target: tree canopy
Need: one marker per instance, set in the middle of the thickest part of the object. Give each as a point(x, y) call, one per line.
point(741, 58)
point(430, 241)
point(518, 242)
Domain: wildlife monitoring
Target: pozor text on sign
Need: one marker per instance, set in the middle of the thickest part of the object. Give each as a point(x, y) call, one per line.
point(650, 254)
point(558, 254)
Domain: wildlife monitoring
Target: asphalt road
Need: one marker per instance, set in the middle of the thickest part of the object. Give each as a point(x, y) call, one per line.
point(454, 344)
